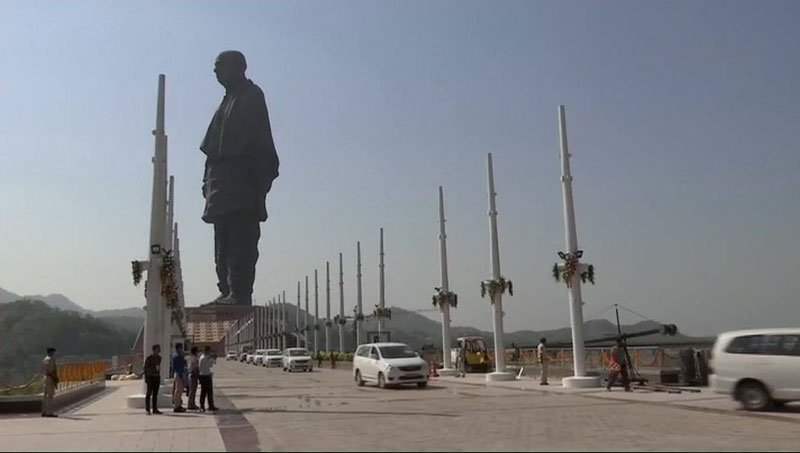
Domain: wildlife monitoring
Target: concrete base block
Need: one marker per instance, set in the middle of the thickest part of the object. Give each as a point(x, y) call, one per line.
point(137, 401)
point(446, 371)
point(500, 376)
point(581, 382)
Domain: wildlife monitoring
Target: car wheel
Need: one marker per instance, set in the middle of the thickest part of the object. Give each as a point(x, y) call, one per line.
point(359, 381)
point(422, 385)
point(381, 381)
point(753, 396)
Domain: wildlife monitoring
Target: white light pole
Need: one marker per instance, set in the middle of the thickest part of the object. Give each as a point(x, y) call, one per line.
point(496, 286)
point(341, 305)
point(305, 319)
point(444, 298)
point(283, 322)
point(360, 311)
point(327, 306)
point(271, 324)
point(382, 314)
point(316, 312)
point(573, 256)
point(153, 329)
point(297, 319)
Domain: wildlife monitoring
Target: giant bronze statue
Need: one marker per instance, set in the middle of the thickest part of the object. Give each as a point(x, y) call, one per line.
point(241, 164)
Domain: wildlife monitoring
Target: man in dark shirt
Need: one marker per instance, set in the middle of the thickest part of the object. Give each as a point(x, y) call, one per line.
point(241, 163)
point(179, 383)
point(152, 377)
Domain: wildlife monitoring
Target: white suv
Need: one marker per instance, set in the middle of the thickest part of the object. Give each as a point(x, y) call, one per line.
point(759, 368)
point(258, 356)
point(389, 364)
point(272, 358)
point(296, 359)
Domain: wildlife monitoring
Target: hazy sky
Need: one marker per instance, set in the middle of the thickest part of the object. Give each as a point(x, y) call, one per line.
point(684, 124)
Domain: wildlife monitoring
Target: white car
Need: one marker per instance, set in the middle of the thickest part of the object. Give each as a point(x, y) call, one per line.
point(389, 364)
point(248, 358)
point(272, 358)
point(296, 359)
point(258, 356)
point(231, 356)
point(759, 368)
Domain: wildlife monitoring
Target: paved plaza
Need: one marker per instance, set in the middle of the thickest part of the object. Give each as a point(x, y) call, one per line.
point(268, 410)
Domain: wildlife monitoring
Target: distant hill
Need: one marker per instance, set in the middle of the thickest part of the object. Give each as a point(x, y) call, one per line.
point(62, 302)
point(28, 327)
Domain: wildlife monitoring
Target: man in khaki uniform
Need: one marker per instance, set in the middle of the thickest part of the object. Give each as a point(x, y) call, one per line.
point(541, 357)
point(50, 373)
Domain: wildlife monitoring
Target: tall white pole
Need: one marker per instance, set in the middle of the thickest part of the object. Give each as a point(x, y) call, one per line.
point(500, 373)
point(166, 336)
point(341, 305)
point(575, 302)
point(316, 312)
point(327, 306)
point(359, 306)
point(381, 289)
point(305, 319)
point(283, 322)
point(271, 324)
point(297, 318)
point(444, 305)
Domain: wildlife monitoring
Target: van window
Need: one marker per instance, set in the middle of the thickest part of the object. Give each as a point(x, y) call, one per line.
point(782, 345)
point(363, 351)
point(749, 344)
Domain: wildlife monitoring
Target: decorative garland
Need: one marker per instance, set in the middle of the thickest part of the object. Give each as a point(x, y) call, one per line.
point(359, 317)
point(316, 327)
point(137, 272)
point(340, 320)
point(382, 313)
point(445, 297)
point(328, 323)
point(169, 289)
point(498, 286)
point(569, 268)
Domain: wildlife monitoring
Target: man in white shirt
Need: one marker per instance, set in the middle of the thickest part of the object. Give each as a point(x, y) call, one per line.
point(541, 357)
point(206, 382)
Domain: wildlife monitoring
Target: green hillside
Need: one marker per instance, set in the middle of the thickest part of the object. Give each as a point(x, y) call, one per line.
point(28, 327)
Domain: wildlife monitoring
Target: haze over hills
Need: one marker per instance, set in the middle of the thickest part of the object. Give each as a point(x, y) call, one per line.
point(406, 326)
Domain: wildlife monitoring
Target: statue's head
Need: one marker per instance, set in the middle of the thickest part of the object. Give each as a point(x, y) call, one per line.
point(229, 67)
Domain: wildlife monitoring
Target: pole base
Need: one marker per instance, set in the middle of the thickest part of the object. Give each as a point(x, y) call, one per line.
point(137, 401)
point(446, 371)
point(500, 376)
point(581, 382)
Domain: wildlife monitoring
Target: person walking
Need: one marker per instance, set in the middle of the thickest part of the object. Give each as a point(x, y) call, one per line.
point(618, 367)
point(461, 360)
point(179, 381)
point(333, 360)
point(50, 373)
point(206, 383)
point(194, 376)
point(152, 378)
point(541, 357)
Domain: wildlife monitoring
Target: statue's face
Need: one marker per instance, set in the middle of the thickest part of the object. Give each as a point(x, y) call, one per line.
point(225, 69)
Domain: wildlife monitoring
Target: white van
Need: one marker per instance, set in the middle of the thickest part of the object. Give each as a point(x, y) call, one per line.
point(389, 364)
point(759, 368)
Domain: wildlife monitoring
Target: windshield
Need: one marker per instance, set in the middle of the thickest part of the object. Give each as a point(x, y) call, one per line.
point(273, 352)
point(397, 352)
point(298, 352)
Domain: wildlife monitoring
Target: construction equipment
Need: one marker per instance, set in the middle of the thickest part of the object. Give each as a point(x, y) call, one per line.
point(477, 358)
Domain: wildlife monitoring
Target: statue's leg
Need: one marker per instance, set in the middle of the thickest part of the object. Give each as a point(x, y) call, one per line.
point(221, 246)
point(242, 258)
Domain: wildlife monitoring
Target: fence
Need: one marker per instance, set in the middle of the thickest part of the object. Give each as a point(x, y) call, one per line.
point(70, 375)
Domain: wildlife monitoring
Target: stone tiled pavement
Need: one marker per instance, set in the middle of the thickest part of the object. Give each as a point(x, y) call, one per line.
point(324, 410)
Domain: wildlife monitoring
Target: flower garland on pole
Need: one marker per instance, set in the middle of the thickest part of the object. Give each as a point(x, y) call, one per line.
point(137, 272)
point(169, 289)
point(493, 287)
point(571, 266)
point(442, 298)
point(381, 313)
point(341, 320)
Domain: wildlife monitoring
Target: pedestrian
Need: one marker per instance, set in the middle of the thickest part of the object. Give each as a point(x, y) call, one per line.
point(333, 360)
point(541, 357)
point(50, 373)
point(618, 366)
point(179, 381)
point(206, 382)
point(152, 378)
point(319, 360)
point(461, 360)
point(194, 376)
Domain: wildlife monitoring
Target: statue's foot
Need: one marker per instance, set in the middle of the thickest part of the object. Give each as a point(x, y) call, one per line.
point(233, 299)
point(217, 300)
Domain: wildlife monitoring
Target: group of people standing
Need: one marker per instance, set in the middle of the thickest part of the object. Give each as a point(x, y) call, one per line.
point(186, 377)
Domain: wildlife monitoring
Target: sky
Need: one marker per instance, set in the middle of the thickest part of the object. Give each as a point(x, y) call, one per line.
point(682, 120)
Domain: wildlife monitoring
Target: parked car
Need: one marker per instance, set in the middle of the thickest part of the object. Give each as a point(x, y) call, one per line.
point(249, 357)
point(389, 364)
point(296, 359)
point(272, 358)
point(231, 355)
point(758, 368)
point(258, 356)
